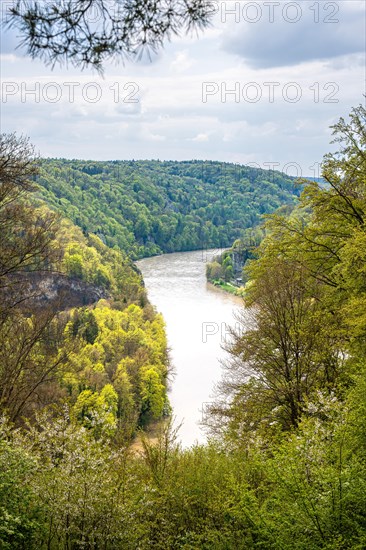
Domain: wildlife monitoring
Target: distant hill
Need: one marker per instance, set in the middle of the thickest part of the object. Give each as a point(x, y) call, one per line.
point(318, 180)
point(150, 207)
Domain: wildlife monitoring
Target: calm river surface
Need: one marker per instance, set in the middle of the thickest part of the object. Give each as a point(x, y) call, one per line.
point(196, 317)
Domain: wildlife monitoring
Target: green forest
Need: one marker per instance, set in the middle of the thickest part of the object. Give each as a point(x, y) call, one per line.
point(149, 207)
point(85, 365)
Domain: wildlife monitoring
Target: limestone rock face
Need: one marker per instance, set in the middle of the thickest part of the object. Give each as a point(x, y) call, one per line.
point(62, 291)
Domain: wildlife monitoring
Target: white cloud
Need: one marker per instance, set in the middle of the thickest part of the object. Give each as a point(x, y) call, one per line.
point(181, 62)
point(170, 119)
point(275, 34)
point(200, 138)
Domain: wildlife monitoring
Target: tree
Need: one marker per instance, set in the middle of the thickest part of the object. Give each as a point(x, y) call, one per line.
point(228, 268)
point(29, 334)
point(82, 488)
point(27, 233)
point(32, 353)
point(307, 294)
point(19, 517)
point(330, 214)
point(317, 477)
point(97, 410)
point(152, 393)
point(214, 271)
point(26, 246)
point(286, 353)
point(90, 32)
point(85, 325)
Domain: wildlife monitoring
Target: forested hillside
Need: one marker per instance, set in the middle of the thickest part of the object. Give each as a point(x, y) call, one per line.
point(148, 207)
point(106, 359)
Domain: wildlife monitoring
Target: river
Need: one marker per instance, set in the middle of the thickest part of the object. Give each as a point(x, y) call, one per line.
point(197, 318)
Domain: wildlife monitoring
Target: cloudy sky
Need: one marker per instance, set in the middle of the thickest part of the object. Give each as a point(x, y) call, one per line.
point(261, 86)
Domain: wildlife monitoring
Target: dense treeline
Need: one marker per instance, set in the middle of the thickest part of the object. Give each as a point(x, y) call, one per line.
point(148, 207)
point(285, 467)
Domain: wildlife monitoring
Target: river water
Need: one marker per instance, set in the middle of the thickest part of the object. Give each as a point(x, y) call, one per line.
point(197, 318)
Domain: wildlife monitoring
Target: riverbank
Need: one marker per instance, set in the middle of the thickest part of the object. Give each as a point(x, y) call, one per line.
point(227, 288)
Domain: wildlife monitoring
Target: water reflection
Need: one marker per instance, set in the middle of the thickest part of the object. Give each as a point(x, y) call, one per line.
point(197, 317)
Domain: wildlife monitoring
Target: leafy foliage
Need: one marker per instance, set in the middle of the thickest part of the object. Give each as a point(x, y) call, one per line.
point(285, 467)
point(89, 33)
